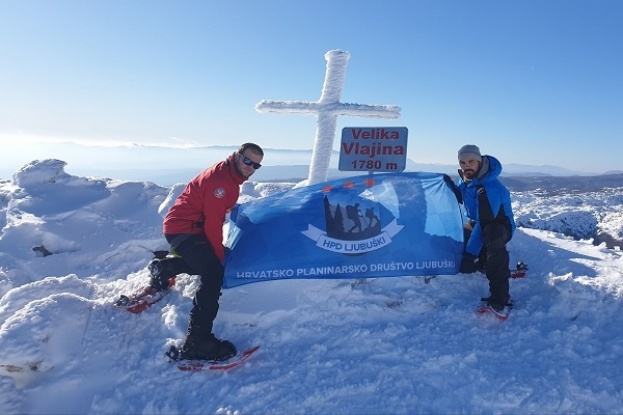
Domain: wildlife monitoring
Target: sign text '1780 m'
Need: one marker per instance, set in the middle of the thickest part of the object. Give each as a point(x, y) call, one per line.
point(374, 165)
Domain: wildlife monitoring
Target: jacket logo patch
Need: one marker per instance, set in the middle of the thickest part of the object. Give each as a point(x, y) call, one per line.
point(219, 193)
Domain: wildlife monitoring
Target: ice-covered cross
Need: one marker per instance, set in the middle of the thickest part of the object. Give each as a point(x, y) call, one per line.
point(328, 107)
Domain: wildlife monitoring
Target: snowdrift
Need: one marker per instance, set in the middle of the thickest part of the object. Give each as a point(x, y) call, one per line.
point(357, 346)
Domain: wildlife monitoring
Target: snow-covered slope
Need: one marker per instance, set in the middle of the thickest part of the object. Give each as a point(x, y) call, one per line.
point(387, 345)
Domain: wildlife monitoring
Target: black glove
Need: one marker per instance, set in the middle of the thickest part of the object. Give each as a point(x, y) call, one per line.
point(468, 264)
point(453, 187)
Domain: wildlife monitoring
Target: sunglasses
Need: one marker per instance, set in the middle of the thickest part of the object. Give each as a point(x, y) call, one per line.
point(247, 161)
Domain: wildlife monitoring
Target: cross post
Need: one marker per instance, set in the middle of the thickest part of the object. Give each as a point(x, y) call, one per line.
point(328, 108)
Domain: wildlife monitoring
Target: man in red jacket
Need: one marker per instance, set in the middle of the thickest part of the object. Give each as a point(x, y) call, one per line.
point(193, 227)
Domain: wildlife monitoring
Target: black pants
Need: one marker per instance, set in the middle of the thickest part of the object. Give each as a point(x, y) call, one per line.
point(199, 259)
point(496, 259)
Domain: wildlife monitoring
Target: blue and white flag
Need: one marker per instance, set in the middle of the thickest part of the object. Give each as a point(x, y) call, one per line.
point(381, 225)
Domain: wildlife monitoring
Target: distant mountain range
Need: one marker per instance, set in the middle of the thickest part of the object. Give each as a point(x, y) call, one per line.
point(169, 165)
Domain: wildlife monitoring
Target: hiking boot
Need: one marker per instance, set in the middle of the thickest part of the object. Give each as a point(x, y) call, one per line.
point(490, 302)
point(160, 274)
point(207, 348)
point(496, 306)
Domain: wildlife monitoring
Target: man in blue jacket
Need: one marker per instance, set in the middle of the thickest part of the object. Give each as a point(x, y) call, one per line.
point(490, 222)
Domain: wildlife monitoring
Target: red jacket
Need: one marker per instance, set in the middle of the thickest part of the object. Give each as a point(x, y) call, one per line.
point(202, 206)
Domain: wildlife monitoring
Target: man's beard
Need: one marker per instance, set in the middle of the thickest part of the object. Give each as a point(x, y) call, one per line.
point(241, 173)
point(469, 174)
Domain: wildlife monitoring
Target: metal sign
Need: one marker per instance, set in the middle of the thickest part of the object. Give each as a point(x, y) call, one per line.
point(373, 149)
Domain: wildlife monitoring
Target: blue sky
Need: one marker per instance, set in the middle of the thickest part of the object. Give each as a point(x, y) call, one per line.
point(531, 82)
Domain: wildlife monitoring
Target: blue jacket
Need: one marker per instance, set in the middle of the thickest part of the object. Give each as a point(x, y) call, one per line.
point(499, 202)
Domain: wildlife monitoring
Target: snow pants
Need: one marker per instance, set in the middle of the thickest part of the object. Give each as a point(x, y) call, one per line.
point(199, 259)
point(496, 259)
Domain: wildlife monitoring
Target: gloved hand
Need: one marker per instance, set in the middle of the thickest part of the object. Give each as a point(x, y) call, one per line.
point(468, 264)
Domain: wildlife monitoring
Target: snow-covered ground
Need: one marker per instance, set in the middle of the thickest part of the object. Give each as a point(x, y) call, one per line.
point(378, 346)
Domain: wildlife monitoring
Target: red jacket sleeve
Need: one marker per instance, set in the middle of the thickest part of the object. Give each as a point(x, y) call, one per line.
point(206, 200)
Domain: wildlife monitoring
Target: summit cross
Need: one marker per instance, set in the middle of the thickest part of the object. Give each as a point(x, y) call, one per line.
point(328, 108)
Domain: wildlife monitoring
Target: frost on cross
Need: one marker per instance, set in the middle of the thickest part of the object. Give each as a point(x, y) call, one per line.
point(328, 107)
